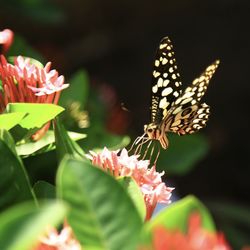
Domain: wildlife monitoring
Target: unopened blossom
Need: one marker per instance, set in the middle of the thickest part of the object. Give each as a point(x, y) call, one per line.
point(6, 39)
point(64, 240)
point(196, 238)
point(154, 190)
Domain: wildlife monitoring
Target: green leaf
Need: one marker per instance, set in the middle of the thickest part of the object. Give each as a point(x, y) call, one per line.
point(102, 214)
point(183, 153)
point(176, 215)
point(64, 144)
point(38, 114)
point(8, 121)
point(45, 144)
point(78, 90)
point(44, 190)
point(15, 185)
point(7, 138)
point(22, 225)
point(135, 194)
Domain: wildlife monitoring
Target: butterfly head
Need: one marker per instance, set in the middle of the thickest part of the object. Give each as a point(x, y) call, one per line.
point(151, 130)
point(154, 132)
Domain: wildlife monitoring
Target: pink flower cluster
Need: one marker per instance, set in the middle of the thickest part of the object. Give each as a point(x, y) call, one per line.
point(148, 179)
point(58, 241)
point(26, 82)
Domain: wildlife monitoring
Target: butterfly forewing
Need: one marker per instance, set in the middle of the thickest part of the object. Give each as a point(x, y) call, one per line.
point(194, 93)
point(187, 114)
point(166, 81)
point(200, 84)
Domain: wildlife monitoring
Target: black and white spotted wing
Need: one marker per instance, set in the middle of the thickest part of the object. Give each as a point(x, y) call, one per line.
point(189, 119)
point(187, 114)
point(174, 110)
point(166, 81)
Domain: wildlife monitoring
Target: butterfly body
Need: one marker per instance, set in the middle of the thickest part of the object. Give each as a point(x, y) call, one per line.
point(174, 110)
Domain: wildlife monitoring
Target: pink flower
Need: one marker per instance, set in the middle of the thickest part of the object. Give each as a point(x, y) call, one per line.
point(196, 237)
point(6, 39)
point(148, 179)
point(26, 82)
point(58, 241)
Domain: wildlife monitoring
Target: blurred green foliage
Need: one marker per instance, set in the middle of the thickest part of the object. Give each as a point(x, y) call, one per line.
point(41, 11)
point(95, 205)
point(183, 153)
point(22, 225)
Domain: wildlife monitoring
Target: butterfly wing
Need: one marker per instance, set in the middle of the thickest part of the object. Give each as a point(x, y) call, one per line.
point(189, 120)
point(166, 81)
point(187, 114)
point(200, 84)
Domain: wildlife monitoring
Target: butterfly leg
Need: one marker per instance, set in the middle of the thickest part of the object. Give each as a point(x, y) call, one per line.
point(146, 150)
point(158, 154)
point(136, 141)
point(139, 147)
point(152, 152)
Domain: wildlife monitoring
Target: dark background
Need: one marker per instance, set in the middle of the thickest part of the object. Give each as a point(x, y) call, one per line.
point(115, 42)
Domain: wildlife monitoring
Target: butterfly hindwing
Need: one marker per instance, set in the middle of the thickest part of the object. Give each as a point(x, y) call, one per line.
point(187, 115)
point(189, 120)
point(166, 81)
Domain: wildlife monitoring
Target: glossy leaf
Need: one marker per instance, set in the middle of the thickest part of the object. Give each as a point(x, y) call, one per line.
point(45, 144)
point(176, 215)
point(64, 144)
point(135, 194)
point(6, 137)
point(102, 214)
point(22, 225)
point(15, 185)
point(38, 114)
point(183, 153)
point(8, 121)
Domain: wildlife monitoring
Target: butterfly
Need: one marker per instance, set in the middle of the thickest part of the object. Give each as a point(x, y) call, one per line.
point(172, 109)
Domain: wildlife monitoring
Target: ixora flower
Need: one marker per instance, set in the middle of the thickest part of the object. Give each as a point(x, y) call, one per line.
point(148, 179)
point(6, 39)
point(58, 241)
point(196, 238)
point(26, 82)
